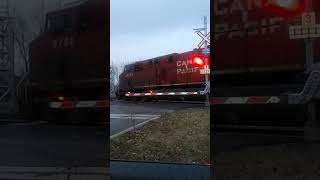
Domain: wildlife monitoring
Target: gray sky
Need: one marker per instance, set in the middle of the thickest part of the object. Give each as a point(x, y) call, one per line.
point(142, 29)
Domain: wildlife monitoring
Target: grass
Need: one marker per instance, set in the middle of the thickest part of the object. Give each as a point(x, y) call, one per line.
point(179, 137)
point(283, 162)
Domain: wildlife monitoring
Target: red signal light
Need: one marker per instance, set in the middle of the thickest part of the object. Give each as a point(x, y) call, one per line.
point(198, 60)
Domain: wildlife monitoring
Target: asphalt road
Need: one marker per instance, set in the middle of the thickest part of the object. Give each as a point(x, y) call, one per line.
point(125, 114)
point(49, 150)
point(52, 145)
point(29, 148)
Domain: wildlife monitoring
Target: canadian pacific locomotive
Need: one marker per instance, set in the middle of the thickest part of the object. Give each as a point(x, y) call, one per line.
point(174, 75)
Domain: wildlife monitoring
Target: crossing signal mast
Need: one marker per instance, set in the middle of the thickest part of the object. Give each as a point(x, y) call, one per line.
point(203, 61)
point(308, 31)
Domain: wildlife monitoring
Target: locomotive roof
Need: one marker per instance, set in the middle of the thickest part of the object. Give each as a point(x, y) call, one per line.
point(159, 57)
point(68, 7)
point(147, 60)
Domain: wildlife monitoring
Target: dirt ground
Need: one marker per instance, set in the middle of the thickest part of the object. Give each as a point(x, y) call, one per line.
point(282, 162)
point(179, 137)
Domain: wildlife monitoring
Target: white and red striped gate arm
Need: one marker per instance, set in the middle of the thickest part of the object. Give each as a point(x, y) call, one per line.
point(162, 94)
point(79, 104)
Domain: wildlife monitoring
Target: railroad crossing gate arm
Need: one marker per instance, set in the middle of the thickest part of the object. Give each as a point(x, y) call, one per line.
point(311, 90)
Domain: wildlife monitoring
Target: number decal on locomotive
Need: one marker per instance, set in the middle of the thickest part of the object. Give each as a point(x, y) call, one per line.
point(66, 42)
point(129, 75)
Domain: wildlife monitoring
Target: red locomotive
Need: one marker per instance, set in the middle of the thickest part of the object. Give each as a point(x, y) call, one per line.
point(172, 74)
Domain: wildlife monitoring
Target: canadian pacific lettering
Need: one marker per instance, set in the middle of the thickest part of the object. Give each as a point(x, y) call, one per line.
point(184, 67)
point(242, 25)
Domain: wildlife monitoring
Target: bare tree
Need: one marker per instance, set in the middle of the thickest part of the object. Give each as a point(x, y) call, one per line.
point(120, 69)
point(112, 79)
point(23, 35)
point(115, 71)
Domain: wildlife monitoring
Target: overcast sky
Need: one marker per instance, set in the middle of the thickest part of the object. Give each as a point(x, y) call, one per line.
point(26, 10)
point(142, 29)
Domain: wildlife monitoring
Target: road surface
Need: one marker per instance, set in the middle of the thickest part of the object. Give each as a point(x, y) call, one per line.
point(125, 114)
point(38, 149)
point(30, 150)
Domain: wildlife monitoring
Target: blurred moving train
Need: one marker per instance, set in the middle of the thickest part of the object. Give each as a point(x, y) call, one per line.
point(173, 75)
point(261, 73)
point(68, 63)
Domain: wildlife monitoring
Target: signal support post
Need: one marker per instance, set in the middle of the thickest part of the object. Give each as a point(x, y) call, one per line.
point(308, 31)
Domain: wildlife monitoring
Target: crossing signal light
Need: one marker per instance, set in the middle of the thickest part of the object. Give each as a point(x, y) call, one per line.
point(287, 7)
point(198, 60)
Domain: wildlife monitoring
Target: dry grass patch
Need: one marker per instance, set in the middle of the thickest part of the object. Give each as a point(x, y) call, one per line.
point(182, 137)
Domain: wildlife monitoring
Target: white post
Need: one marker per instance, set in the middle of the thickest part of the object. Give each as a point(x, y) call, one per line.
point(309, 42)
point(206, 57)
point(206, 61)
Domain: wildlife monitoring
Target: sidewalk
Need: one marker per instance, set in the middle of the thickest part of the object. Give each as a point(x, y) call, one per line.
point(54, 173)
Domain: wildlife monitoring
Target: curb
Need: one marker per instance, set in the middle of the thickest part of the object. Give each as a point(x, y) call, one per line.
point(63, 170)
point(132, 128)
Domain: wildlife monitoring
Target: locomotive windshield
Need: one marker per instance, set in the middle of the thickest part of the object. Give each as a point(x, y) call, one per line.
point(129, 68)
point(59, 23)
